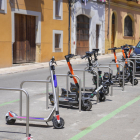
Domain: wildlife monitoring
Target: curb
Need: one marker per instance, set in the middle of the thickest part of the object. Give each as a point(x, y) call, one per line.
point(33, 66)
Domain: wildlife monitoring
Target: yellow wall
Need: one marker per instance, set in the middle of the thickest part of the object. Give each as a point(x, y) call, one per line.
point(121, 10)
point(48, 24)
point(5, 39)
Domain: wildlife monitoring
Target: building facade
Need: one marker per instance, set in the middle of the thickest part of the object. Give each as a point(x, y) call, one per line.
point(88, 26)
point(122, 23)
point(33, 30)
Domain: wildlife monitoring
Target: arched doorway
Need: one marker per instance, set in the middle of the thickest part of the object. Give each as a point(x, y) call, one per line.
point(113, 31)
point(82, 34)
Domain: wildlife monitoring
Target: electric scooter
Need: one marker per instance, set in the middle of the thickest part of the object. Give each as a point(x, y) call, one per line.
point(127, 69)
point(90, 70)
point(86, 104)
point(58, 122)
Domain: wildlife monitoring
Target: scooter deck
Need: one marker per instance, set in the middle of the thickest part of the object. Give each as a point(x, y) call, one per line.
point(30, 118)
point(68, 101)
point(88, 89)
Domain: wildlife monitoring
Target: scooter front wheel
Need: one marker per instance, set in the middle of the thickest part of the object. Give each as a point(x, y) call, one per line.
point(87, 105)
point(102, 98)
point(58, 125)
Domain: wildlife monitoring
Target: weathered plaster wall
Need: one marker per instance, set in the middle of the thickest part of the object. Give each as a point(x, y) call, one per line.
point(96, 13)
point(121, 11)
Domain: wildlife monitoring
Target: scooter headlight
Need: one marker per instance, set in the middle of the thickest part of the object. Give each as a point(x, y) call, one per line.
point(106, 75)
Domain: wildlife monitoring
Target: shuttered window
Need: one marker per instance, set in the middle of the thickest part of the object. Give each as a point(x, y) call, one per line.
point(2, 7)
point(57, 40)
point(128, 30)
point(57, 8)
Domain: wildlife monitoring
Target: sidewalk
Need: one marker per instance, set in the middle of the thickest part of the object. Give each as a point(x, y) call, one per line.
point(33, 66)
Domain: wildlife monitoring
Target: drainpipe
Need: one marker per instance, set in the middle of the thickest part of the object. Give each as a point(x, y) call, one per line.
point(69, 27)
point(108, 17)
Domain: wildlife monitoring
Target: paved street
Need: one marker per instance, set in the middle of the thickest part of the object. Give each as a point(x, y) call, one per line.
point(115, 119)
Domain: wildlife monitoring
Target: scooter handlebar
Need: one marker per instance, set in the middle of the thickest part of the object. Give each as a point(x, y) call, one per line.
point(115, 48)
point(53, 60)
point(88, 54)
point(84, 56)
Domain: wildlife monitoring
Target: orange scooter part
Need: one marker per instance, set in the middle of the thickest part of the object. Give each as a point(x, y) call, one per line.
point(124, 56)
point(116, 60)
point(129, 53)
point(71, 70)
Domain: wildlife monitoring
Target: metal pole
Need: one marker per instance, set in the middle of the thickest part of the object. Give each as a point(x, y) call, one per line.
point(79, 95)
point(69, 27)
point(20, 102)
point(67, 83)
point(123, 77)
point(58, 97)
point(47, 93)
point(108, 17)
point(97, 95)
point(109, 75)
point(84, 81)
point(79, 87)
point(111, 85)
point(33, 81)
point(119, 66)
point(27, 106)
point(135, 65)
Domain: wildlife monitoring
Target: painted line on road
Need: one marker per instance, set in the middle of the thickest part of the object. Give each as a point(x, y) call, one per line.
point(104, 119)
point(9, 102)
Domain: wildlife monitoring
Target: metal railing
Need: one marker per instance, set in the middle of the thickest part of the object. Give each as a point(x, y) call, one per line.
point(69, 75)
point(138, 57)
point(84, 71)
point(133, 68)
point(119, 66)
point(33, 81)
point(110, 70)
point(27, 105)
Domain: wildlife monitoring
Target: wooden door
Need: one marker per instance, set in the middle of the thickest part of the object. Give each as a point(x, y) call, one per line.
point(82, 34)
point(24, 46)
point(113, 31)
point(97, 36)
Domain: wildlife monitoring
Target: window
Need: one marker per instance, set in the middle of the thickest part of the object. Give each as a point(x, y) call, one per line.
point(57, 9)
point(128, 31)
point(3, 6)
point(57, 41)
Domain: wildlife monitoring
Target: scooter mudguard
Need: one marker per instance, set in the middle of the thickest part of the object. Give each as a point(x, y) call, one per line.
point(55, 80)
point(11, 114)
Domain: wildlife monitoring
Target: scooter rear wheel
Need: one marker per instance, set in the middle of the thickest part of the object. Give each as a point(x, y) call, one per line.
point(135, 81)
point(8, 121)
point(88, 105)
point(58, 125)
point(51, 99)
point(102, 98)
